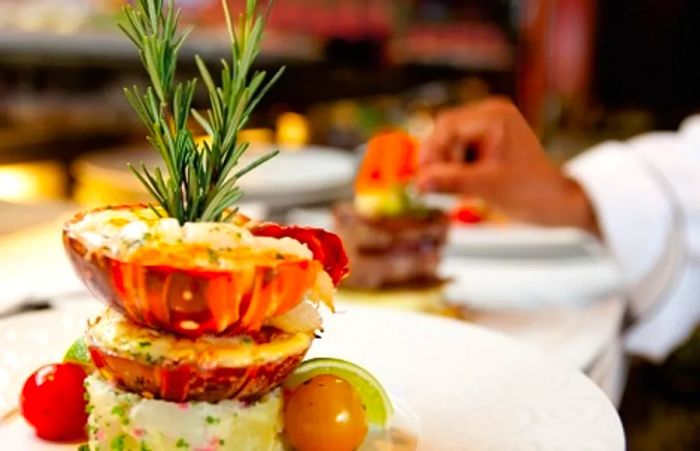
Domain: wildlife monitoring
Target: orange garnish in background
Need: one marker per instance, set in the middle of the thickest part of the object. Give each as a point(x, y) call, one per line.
point(391, 160)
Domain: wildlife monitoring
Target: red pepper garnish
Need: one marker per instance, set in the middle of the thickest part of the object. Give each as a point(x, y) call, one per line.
point(467, 215)
point(327, 247)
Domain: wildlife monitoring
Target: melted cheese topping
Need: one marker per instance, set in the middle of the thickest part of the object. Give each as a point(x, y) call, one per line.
point(112, 333)
point(140, 235)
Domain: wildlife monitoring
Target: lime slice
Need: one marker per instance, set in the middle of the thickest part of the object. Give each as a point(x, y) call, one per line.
point(78, 353)
point(375, 399)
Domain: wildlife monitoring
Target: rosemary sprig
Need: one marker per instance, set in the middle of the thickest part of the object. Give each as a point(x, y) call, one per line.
point(200, 180)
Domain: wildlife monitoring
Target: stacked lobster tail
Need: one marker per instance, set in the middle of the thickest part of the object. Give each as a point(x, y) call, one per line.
point(199, 313)
point(215, 307)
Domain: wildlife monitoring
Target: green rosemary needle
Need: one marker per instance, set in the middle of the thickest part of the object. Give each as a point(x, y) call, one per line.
point(199, 182)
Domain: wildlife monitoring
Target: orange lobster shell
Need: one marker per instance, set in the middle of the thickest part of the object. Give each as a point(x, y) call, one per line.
point(195, 302)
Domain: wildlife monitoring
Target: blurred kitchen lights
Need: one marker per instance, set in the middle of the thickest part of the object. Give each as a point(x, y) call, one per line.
point(32, 182)
point(292, 130)
point(256, 136)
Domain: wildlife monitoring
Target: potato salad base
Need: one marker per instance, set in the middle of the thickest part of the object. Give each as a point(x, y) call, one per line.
point(123, 421)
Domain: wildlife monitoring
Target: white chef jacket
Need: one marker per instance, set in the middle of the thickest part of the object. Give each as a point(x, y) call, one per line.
point(635, 187)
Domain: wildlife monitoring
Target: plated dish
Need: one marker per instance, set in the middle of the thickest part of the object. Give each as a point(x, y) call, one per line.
point(394, 241)
point(209, 314)
point(202, 343)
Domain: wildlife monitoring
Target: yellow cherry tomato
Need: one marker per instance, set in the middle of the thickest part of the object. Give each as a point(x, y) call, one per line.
point(325, 413)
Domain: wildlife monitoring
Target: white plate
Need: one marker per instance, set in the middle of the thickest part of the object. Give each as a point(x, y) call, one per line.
point(517, 240)
point(469, 388)
point(511, 239)
point(294, 177)
point(530, 283)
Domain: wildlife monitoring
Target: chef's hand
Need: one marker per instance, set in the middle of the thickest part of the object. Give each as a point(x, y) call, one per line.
point(488, 150)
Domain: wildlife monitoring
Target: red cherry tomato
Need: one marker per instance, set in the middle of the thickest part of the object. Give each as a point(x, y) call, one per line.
point(53, 402)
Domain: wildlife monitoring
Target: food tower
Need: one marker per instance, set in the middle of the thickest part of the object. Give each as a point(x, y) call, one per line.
point(210, 313)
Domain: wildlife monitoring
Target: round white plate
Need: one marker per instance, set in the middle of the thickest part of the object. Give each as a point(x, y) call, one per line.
point(468, 388)
point(294, 177)
point(517, 240)
point(529, 283)
point(511, 239)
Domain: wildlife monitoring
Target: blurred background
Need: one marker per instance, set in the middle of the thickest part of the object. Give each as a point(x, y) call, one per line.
point(582, 71)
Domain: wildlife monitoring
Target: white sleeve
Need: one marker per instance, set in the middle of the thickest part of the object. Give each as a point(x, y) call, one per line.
point(633, 211)
point(634, 187)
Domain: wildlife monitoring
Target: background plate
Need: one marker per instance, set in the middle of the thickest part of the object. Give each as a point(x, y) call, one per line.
point(294, 177)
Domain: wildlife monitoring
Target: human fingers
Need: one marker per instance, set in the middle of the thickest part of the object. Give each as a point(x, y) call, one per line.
point(458, 178)
point(461, 135)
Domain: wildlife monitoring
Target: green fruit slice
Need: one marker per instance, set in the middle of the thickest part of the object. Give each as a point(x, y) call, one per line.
point(78, 353)
point(373, 395)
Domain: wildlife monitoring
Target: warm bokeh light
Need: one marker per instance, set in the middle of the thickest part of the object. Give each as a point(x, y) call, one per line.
point(259, 136)
point(32, 181)
point(254, 136)
point(292, 130)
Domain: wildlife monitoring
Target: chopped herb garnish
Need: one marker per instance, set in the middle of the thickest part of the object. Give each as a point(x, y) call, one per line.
point(118, 443)
point(213, 420)
point(182, 443)
point(120, 412)
point(144, 344)
point(213, 255)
